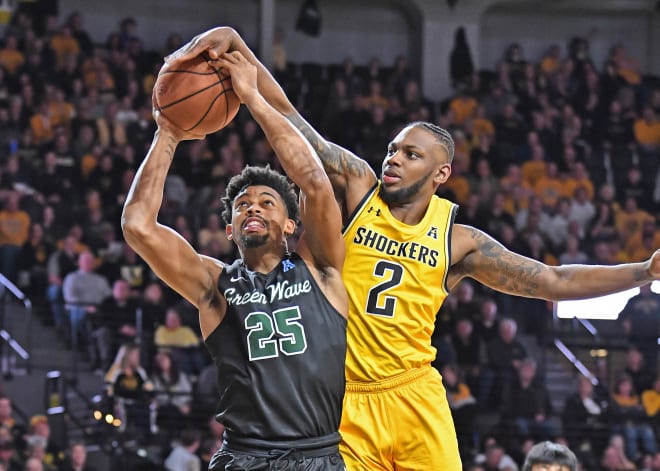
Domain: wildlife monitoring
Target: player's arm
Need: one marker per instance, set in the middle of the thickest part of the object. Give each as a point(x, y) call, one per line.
point(168, 254)
point(319, 211)
point(351, 176)
point(479, 256)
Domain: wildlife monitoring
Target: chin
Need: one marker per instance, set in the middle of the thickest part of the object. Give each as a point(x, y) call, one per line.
point(254, 240)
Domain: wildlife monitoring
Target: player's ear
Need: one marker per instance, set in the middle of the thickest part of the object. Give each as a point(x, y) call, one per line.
point(289, 227)
point(442, 173)
point(228, 231)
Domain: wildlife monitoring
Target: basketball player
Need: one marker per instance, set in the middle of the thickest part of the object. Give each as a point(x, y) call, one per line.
point(274, 321)
point(548, 456)
point(405, 255)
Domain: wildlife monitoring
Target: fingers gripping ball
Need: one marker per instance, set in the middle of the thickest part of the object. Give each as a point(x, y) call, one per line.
point(196, 96)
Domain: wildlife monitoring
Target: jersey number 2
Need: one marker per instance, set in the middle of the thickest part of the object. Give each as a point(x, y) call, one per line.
point(393, 272)
point(262, 327)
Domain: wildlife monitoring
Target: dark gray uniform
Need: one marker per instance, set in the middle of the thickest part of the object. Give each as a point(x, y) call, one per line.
point(279, 353)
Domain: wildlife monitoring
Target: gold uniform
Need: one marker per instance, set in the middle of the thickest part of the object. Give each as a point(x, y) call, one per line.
point(395, 412)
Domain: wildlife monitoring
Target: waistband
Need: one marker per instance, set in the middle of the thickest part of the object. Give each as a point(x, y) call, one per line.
point(305, 448)
point(402, 379)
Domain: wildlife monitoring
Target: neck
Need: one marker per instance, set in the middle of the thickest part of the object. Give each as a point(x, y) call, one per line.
point(409, 213)
point(262, 260)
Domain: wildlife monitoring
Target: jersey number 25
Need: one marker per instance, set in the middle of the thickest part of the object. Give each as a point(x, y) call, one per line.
point(262, 327)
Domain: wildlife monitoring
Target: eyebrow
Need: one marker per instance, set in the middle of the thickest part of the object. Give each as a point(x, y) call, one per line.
point(263, 193)
point(405, 146)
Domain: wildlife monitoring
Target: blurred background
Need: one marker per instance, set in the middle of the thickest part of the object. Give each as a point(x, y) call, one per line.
point(555, 110)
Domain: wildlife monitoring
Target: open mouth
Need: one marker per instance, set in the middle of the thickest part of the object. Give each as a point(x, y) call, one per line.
point(253, 224)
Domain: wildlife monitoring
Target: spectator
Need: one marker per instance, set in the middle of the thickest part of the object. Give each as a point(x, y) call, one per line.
point(11, 58)
point(584, 419)
point(651, 403)
point(487, 326)
point(614, 457)
point(630, 220)
point(505, 356)
point(183, 457)
point(15, 431)
point(130, 389)
point(635, 367)
point(647, 129)
point(634, 186)
point(32, 262)
point(629, 418)
point(182, 341)
point(50, 453)
point(173, 392)
point(582, 210)
point(14, 231)
point(60, 264)
point(77, 458)
point(572, 252)
point(111, 325)
point(9, 456)
point(83, 292)
point(640, 319)
point(495, 458)
point(526, 408)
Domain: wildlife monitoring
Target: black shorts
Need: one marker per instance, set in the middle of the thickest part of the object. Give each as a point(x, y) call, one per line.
point(234, 456)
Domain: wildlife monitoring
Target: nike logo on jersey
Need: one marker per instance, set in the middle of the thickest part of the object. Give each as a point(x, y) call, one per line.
point(234, 279)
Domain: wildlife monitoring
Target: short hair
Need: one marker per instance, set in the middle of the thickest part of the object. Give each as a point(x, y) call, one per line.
point(441, 135)
point(550, 453)
point(251, 176)
point(190, 436)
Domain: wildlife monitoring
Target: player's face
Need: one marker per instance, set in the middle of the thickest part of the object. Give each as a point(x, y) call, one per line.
point(259, 215)
point(415, 165)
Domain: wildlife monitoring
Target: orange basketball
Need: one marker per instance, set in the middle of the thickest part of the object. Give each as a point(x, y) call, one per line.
point(196, 96)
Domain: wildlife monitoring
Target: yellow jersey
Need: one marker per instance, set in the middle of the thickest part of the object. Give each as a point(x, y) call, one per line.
point(395, 275)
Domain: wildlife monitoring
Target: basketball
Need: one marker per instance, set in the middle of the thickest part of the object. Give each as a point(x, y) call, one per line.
point(196, 96)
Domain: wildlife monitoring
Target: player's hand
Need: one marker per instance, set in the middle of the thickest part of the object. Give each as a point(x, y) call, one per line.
point(214, 42)
point(654, 265)
point(165, 125)
point(243, 75)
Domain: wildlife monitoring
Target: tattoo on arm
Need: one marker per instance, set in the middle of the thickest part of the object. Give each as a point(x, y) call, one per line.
point(502, 269)
point(171, 146)
point(335, 159)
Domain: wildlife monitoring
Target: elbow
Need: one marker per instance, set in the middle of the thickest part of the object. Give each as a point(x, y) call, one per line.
point(133, 227)
point(319, 181)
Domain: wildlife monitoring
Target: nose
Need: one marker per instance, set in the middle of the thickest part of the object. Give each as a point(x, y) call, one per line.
point(392, 159)
point(253, 208)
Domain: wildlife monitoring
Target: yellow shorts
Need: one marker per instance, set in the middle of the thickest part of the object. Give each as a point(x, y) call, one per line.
point(402, 423)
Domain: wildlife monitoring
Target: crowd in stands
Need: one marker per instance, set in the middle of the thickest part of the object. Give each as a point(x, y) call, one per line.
point(557, 157)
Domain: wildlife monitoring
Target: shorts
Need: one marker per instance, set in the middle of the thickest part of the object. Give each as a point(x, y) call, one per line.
point(243, 457)
point(402, 423)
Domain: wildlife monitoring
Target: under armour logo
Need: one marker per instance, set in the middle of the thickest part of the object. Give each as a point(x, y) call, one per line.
point(287, 265)
point(371, 208)
point(433, 232)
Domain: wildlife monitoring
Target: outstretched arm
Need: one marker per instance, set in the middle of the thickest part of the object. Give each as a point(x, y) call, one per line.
point(479, 256)
point(351, 176)
point(168, 254)
point(319, 211)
